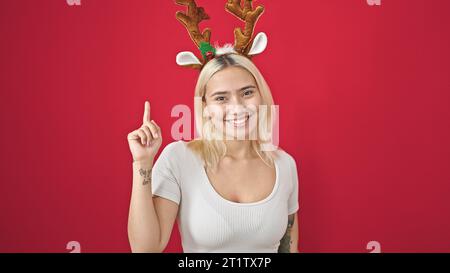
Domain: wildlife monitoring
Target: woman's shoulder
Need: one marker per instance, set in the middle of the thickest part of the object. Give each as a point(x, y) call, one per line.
point(289, 165)
point(175, 157)
point(284, 157)
point(175, 150)
point(175, 146)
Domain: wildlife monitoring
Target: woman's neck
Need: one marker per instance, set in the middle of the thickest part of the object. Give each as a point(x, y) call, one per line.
point(239, 149)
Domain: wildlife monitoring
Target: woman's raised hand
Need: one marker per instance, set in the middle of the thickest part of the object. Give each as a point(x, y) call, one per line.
point(145, 142)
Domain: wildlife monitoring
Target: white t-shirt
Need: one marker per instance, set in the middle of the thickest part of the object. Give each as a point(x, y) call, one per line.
point(210, 223)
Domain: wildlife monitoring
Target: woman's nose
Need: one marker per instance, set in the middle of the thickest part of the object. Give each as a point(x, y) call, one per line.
point(236, 100)
point(234, 110)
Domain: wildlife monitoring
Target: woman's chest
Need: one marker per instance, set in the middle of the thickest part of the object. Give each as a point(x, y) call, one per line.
point(244, 183)
point(210, 225)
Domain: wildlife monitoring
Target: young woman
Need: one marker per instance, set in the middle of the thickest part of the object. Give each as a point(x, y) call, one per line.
point(227, 193)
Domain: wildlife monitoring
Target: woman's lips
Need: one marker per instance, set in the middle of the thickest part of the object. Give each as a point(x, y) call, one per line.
point(238, 122)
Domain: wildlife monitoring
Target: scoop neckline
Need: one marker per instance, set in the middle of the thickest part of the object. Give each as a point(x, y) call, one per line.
point(211, 189)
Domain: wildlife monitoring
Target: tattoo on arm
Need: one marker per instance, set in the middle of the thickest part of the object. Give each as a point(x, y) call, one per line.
point(285, 243)
point(147, 175)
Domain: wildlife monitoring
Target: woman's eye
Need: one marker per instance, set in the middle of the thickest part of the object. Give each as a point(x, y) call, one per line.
point(248, 92)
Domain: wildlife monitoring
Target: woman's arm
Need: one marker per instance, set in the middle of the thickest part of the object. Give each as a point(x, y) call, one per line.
point(289, 242)
point(151, 219)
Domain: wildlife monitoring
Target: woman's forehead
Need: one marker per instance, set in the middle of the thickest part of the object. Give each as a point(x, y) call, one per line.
point(230, 79)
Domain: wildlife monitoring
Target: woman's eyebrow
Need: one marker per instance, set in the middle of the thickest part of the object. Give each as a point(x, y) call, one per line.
point(219, 93)
point(226, 92)
point(247, 87)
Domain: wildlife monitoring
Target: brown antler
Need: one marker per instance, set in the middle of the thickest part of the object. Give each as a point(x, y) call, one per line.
point(250, 16)
point(191, 20)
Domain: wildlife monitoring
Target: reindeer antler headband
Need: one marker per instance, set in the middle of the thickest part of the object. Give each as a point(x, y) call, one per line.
point(244, 43)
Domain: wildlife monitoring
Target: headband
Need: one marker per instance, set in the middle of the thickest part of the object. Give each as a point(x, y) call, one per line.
point(244, 44)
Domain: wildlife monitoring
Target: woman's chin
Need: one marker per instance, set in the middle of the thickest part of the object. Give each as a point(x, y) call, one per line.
point(242, 134)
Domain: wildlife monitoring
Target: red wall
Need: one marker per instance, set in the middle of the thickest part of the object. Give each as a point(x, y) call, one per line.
point(364, 96)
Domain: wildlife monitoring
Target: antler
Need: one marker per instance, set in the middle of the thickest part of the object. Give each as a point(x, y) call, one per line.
point(250, 16)
point(191, 20)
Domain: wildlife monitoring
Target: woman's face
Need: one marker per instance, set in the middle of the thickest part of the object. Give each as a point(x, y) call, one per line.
point(232, 99)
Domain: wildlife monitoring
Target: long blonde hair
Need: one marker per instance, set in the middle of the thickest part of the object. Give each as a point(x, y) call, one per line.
point(210, 148)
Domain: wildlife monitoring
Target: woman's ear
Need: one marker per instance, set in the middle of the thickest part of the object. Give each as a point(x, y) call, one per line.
point(187, 58)
point(259, 44)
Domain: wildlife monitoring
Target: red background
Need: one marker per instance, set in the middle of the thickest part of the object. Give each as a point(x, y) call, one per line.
point(364, 104)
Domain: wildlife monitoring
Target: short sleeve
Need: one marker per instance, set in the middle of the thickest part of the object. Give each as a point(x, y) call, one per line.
point(165, 177)
point(293, 205)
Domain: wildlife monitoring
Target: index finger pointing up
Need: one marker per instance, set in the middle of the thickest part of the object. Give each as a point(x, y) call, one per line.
point(146, 112)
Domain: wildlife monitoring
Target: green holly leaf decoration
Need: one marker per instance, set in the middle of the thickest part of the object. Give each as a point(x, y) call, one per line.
point(207, 49)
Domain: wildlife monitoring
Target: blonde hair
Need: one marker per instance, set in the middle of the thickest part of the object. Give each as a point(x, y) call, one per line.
point(208, 145)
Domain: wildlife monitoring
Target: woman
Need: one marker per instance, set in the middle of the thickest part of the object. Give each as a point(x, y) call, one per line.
point(227, 192)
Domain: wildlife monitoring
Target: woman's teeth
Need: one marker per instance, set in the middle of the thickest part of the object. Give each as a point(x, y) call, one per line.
point(238, 122)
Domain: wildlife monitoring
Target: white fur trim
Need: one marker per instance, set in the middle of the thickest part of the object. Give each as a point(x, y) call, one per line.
point(226, 49)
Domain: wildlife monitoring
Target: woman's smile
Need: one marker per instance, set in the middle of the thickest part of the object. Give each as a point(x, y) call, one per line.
point(238, 121)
